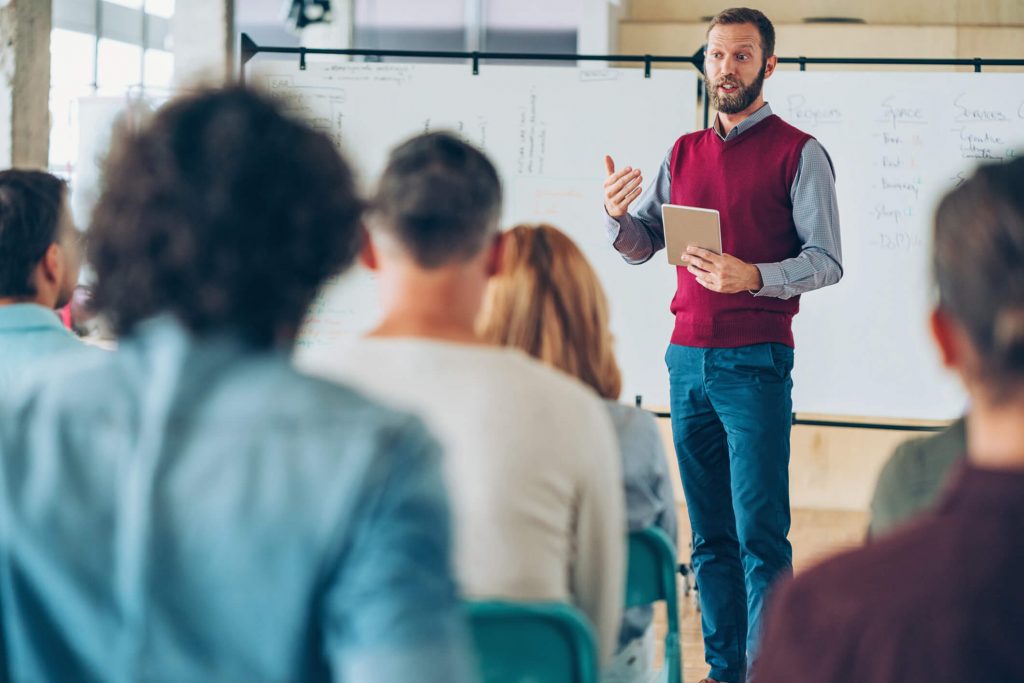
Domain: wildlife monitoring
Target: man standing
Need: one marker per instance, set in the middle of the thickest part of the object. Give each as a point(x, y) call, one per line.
point(731, 352)
point(39, 264)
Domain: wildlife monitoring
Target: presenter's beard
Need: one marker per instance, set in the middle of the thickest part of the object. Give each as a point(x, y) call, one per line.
point(739, 99)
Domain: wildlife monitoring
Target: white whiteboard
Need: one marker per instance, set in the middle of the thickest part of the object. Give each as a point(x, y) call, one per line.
point(898, 142)
point(547, 129)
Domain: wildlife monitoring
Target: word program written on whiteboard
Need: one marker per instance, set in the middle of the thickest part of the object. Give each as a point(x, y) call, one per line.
point(547, 129)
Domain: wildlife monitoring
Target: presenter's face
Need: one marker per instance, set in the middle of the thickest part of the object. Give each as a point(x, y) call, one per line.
point(734, 67)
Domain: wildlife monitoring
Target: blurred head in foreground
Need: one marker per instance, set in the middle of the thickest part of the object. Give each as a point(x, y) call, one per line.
point(225, 213)
point(978, 264)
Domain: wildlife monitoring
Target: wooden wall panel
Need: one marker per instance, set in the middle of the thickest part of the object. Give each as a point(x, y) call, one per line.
point(831, 468)
point(993, 43)
point(912, 12)
point(990, 12)
point(660, 38)
point(796, 40)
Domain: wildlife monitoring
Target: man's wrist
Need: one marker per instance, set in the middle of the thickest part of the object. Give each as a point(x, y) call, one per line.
point(612, 216)
point(755, 280)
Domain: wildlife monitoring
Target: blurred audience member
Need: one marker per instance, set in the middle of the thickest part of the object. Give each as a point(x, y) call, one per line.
point(192, 508)
point(530, 455)
point(913, 478)
point(39, 262)
point(548, 301)
point(941, 599)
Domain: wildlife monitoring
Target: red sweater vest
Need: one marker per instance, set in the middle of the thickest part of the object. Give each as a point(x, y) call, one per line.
point(748, 180)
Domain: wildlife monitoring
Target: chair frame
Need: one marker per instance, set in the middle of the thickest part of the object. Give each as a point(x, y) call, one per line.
point(651, 578)
point(577, 633)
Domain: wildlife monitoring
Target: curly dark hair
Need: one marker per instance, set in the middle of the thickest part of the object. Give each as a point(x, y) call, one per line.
point(440, 197)
point(224, 212)
point(30, 211)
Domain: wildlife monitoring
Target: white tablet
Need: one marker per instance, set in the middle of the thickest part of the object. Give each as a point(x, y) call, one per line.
point(687, 226)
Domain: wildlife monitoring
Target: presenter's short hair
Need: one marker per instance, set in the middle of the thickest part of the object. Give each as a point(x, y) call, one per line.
point(745, 15)
point(978, 264)
point(548, 301)
point(440, 198)
point(224, 212)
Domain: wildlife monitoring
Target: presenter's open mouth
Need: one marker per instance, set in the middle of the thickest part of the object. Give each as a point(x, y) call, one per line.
point(728, 87)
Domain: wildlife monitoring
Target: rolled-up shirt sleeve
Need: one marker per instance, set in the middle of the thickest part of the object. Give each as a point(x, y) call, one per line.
point(816, 217)
point(639, 234)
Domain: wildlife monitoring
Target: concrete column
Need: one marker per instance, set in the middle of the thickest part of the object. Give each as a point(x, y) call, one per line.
point(25, 83)
point(204, 42)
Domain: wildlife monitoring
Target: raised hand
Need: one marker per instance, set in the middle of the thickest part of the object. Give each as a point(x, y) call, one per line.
point(620, 188)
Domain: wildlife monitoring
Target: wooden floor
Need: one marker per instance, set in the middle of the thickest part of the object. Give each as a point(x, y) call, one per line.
point(815, 534)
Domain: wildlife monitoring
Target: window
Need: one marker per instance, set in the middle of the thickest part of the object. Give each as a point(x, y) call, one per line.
point(119, 66)
point(158, 69)
point(531, 25)
point(409, 25)
point(486, 25)
point(160, 8)
point(72, 59)
point(102, 52)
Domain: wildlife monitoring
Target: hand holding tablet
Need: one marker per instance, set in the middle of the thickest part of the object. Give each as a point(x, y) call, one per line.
point(693, 240)
point(687, 226)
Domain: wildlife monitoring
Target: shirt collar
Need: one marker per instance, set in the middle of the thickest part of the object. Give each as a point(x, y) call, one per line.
point(23, 317)
point(165, 335)
point(977, 487)
point(746, 124)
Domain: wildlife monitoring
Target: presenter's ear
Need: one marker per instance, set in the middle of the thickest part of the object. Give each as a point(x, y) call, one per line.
point(495, 252)
point(368, 254)
point(769, 67)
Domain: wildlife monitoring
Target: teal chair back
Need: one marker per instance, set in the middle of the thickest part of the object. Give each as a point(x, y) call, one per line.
point(532, 643)
point(652, 578)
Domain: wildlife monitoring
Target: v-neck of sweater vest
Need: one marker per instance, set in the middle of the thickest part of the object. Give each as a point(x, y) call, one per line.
point(752, 132)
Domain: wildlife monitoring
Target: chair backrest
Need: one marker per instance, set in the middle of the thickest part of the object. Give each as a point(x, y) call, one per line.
point(652, 578)
point(532, 643)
